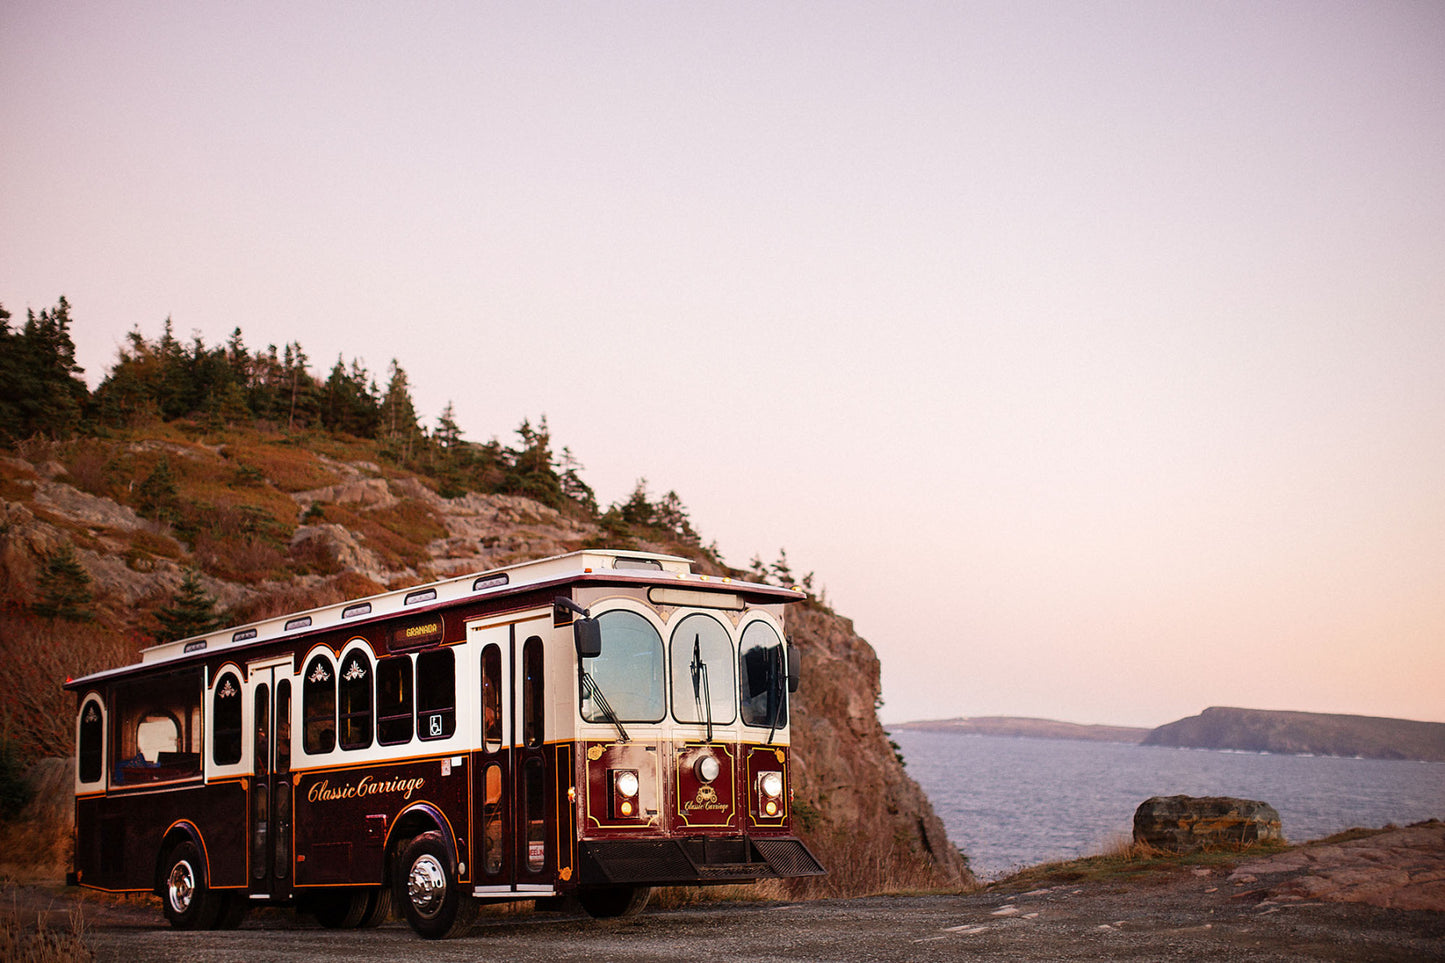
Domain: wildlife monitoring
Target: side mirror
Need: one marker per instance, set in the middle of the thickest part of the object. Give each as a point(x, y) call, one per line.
point(587, 635)
point(794, 658)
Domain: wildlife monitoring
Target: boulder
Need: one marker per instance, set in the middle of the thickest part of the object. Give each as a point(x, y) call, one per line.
point(1187, 823)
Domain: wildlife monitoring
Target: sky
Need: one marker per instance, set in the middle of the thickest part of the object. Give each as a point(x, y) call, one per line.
point(1090, 354)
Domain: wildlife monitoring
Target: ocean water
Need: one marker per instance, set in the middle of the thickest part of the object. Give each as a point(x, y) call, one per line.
point(1013, 802)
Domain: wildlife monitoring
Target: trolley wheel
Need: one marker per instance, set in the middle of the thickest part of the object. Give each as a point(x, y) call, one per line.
point(233, 911)
point(378, 907)
point(426, 887)
point(189, 904)
point(339, 909)
point(604, 902)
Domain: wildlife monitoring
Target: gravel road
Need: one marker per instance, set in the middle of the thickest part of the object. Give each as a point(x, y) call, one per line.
point(1325, 901)
point(1176, 917)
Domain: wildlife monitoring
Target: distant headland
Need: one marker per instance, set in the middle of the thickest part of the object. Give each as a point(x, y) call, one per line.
point(1249, 730)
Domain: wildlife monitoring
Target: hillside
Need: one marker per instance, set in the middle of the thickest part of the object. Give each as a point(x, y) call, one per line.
point(1021, 726)
point(1249, 730)
point(97, 556)
point(1321, 734)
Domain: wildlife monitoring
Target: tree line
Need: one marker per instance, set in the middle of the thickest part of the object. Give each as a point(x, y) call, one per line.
point(166, 379)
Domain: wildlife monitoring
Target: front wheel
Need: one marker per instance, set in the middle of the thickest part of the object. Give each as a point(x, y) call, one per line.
point(189, 904)
point(431, 899)
point(604, 902)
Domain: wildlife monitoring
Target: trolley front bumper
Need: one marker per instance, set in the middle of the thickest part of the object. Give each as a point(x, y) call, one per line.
point(694, 860)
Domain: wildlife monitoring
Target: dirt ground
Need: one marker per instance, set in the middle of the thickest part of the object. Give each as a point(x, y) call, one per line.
point(1355, 899)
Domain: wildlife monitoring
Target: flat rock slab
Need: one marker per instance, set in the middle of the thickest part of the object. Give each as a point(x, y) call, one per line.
point(1397, 869)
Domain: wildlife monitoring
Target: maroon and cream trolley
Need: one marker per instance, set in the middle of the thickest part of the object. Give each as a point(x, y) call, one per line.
point(590, 725)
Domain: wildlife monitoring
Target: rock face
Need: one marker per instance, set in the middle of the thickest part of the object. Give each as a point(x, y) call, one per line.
point(1186, 823)
point(1397, 868)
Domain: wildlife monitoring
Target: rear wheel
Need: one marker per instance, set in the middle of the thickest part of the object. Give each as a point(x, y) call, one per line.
point(426, 887)
point(339, 909)
point(378, 907)
point(604, 902)
point(189, 904)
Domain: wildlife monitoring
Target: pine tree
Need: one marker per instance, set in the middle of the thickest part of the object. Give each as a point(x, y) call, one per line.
point(448, 435)
point(398, 416)
point(63, 588)
point(572, 484)
point(157, 493)
point(190, 612)
point(40, 388)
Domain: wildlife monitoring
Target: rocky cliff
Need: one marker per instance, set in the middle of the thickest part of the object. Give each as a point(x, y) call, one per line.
point(1321, 734)
point(287, 527)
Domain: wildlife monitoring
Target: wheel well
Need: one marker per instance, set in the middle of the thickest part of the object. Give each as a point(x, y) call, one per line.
point(177, 834)
point(409, 825)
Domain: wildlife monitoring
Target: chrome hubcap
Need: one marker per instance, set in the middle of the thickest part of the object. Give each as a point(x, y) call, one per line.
point(426, 886)
point(181, 886)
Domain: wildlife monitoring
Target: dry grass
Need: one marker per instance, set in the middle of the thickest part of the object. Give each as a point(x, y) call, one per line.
point(287, 466)
point(1125, 860)
point(29, 938)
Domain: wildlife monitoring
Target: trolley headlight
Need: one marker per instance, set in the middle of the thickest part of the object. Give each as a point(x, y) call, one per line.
point(707, 769)
point(770, 792)
point(624, 793)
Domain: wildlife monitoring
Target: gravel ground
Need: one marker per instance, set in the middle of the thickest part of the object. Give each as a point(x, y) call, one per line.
point(1301, 905)
point(1174, 916)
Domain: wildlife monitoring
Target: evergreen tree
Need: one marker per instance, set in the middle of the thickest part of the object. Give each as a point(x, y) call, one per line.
point(300, 388)
point(349, 402)
point(398, 416)
point(638, 510)
point(190, 612)
point(448, 435)
point(572, 484)
point(533, 472)
point(40, 388)
point(157, 493)
point(671, 515)
point(63, 588)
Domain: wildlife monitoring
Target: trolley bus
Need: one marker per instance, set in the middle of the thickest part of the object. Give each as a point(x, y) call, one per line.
point(590, 725)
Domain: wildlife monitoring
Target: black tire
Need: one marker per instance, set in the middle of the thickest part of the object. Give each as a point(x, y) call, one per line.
point(378, 907)
point(234, 908)
point(606, 902)
point(186, 899)
point(339, 909)
point(426, 889)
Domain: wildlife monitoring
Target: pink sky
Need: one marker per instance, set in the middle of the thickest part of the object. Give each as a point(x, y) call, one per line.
point(1092, 355)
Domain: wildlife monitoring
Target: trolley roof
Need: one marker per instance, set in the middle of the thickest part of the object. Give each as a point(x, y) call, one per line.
point(590, 565)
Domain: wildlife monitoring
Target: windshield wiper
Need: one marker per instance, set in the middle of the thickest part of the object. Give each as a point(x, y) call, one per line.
point(700, 692)
point(594, 691)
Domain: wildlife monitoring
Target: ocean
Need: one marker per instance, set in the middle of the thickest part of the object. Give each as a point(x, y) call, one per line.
point(1014, 802)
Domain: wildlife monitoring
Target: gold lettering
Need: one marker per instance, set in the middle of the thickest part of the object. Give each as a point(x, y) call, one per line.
point(365, 786)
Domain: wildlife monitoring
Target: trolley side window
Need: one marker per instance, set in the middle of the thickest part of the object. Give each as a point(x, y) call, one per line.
point(436, 694)
point(226, 724)
point(491, 698)
point(355, 701)
point(90, 745)
point(158, 731)
point(318, 706)
point(532, 703)
point(762, 677)
point(394, 695)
